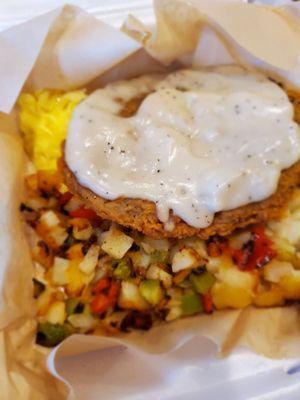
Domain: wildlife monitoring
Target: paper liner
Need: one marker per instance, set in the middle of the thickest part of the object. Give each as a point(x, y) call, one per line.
point(68, 48)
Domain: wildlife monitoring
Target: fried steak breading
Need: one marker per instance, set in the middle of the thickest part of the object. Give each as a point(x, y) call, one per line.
point(141, 214)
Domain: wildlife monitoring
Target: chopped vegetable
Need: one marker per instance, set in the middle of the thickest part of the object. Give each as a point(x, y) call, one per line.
point(86, 213)
point(140, 259)
point(207, 303)
point(102, 301)
point(151, 290)
point(255, 253)
point(89, 263)
point(159, 256)
point(59, 271)
point(150, 245)
point(202, 283)
point(122, 271)
point(191, 303)
point(130, 297)
point(73, 305)
point(84, 322)
point(275, 270)
point(186, 259)
point(56, 313)
point(50, 335)
point(233, 288)
point(50, 219)
point(116, 243)
point(155, 272)
point(82, 229)
point(64, 198)
point(136, 320)
point(101, 285)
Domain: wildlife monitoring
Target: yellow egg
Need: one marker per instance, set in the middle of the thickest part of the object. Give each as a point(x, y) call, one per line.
point(44, 118)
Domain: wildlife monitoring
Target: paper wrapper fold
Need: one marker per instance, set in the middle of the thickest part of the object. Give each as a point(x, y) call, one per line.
point(68, 48)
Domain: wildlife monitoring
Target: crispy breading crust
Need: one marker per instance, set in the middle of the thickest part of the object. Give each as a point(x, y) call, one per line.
point(141, 214)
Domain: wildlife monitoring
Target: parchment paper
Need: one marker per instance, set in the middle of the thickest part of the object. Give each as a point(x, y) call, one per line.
point(68, 48)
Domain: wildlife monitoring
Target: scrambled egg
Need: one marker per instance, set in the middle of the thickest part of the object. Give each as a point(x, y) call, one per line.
point(44, 117)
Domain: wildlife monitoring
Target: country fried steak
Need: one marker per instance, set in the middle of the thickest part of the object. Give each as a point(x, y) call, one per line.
point(141, 214)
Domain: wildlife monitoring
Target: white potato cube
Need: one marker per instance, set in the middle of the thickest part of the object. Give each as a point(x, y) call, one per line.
point(50, 219)
point(56, 313)
point(116, 243)
point(59, 271)
point(130, 297)
point(185, 259)
point(155, 272)
point(90, 261)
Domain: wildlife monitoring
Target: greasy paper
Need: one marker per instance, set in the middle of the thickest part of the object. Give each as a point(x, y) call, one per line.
point(68, 48)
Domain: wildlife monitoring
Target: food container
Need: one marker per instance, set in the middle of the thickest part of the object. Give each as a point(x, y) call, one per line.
point(192, 369)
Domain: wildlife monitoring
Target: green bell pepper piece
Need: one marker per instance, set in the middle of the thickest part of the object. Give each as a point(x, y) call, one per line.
point(159, 256)
point(203, 282)
point(191, 303)
point(122, 271)
point(151, 290)
point(73, 306)
point(50, 335)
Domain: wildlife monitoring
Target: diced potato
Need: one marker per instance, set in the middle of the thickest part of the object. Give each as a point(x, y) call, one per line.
point(36, 203)
point(149, 245)
point(59, 235)
point(56, 313)
point(290, 285)
point(43, 301)
point(50, 219)
point(197, 244)
point(269, 298)
point(83, 321)
point(82, 229)
point(76, 279)
point(185, 259)
point(140, 259)
point(116, 243)
point(130, 297)
point(90, 261)
point(234, 288)
point(285, 250)
point(42, 254)
point(155, 272)
point(288, 229)
point(59, 271)
point(73, 204)
point(174, 313)
point(214, 264)
point(275, 270)
point(75, 252)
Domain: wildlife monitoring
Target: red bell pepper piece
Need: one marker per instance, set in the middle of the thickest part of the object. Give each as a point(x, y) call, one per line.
point(64, 198)
point(114, 290)
point(207, 303)
point(87, 213)
point(256, 253)
point(101, 285)
point(100, 303)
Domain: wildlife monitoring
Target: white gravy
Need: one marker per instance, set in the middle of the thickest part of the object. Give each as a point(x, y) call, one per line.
point(203, 141)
